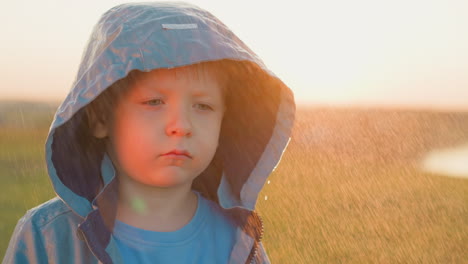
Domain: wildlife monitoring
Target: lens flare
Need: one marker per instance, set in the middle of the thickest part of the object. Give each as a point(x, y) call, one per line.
point(138, 205)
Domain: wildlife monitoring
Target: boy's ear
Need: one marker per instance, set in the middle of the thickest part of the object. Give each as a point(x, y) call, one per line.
point(97, 124)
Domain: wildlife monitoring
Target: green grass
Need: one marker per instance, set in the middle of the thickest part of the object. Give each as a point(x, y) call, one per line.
point(320, 208)
point(23, 174)
point(330, 213)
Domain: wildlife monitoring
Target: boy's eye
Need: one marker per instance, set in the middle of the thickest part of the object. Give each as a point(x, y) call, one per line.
point(204, 107)
point(154, 102)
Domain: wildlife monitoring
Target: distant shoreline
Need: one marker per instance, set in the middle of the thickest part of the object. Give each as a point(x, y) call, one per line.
point(300, 106)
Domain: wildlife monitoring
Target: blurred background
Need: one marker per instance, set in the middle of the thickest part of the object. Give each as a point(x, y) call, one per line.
point(377, 167)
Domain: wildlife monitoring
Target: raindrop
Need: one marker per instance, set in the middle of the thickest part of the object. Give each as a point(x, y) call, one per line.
point(268, 182)
point(266, 197)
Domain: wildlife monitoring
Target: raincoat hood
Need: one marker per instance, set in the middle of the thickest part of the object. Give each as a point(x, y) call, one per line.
point(148, 36)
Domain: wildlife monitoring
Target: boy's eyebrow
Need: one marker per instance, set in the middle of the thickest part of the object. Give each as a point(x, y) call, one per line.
point(163, 90)
point(200, 94)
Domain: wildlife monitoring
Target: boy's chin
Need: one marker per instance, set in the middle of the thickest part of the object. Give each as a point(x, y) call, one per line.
point(168, 181)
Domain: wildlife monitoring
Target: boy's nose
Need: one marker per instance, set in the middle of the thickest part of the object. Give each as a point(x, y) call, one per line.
point(179, 131)
point(179, 125)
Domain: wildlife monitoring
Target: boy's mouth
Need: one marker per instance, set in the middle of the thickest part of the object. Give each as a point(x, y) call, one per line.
point(178, 152)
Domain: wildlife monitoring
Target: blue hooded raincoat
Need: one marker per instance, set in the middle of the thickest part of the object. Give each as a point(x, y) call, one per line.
point(76, 226)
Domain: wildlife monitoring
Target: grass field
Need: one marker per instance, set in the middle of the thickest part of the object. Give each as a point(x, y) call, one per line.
point(348, 189)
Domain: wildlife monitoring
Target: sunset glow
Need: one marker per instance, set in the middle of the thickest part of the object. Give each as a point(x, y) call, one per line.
point(384, 53)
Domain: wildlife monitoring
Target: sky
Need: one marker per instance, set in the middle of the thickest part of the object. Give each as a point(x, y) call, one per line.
point(399, 53)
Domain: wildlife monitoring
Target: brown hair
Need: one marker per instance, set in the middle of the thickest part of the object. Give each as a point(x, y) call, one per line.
point(104, 104)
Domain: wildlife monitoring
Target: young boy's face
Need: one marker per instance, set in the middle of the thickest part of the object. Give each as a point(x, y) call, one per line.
point(162, 111)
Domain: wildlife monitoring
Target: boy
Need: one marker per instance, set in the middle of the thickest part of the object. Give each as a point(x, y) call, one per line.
point(158, 153)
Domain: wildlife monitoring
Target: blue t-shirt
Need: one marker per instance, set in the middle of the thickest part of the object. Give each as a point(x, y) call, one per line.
point(208, 238)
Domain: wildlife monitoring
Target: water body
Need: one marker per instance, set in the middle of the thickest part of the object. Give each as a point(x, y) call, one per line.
point(451, 162)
